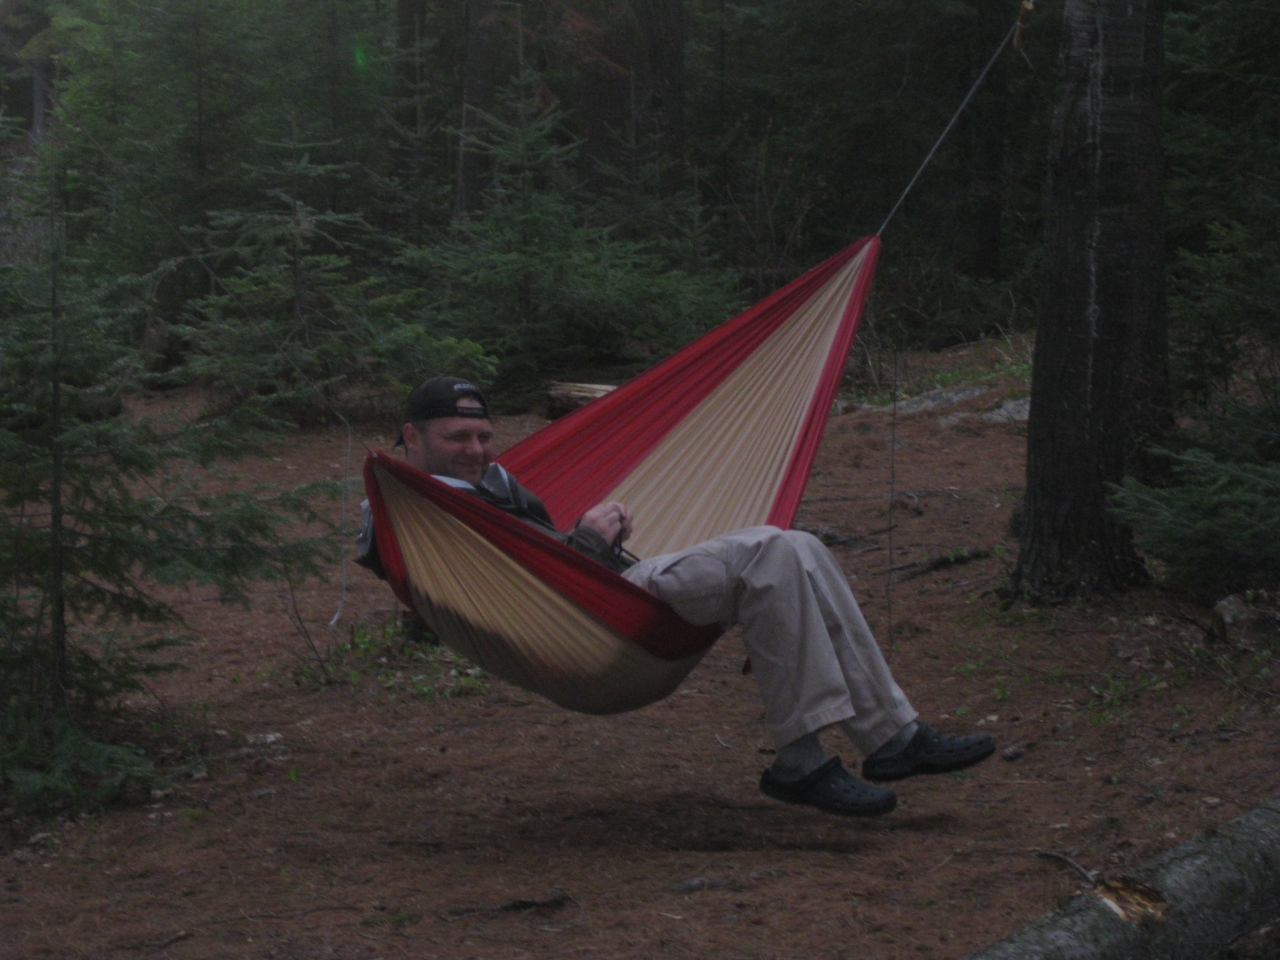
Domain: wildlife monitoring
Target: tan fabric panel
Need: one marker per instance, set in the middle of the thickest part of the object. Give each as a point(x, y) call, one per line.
point(495, 613)
point(720, 469)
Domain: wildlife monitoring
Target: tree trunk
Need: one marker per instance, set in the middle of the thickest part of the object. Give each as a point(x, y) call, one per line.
point(658, 68)
point(1099, 379)
point(489, 64)
point(1192, 901)
point(57, 575)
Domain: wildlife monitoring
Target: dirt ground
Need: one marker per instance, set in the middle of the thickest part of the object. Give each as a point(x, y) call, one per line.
point(411, 809)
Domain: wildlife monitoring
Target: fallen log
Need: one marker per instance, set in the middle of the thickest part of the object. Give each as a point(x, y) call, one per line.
point(1185, 904)
point(564, 398)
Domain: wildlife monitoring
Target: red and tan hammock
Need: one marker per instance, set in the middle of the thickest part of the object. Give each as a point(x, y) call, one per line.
point(718, 437)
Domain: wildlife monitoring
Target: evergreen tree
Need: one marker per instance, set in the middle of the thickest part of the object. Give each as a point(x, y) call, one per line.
point(100, 501)
point(300, 315)
point(544, 279)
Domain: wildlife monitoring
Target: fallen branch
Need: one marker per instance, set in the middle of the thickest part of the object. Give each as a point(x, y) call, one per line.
point(940, 562)
point(557, 900)
point(1185, 904)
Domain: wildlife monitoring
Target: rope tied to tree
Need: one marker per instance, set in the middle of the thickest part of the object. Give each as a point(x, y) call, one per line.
point(1015, 34)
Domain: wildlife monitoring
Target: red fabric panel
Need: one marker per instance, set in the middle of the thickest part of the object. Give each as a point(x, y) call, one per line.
point(385, 534)
point(573, 463)
point(633, 612)
point(787, 503)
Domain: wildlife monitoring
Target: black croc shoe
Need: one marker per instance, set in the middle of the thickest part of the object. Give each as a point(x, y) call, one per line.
point(832, 789)
point(930, 752)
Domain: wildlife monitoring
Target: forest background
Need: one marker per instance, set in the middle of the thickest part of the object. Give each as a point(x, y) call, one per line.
point(302, 208)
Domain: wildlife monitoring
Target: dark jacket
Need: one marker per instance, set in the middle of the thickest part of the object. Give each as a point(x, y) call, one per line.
point(500, 488)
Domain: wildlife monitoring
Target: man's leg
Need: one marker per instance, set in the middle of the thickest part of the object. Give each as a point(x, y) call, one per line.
point(762, 579)
point(813, 654)
point(884, 727)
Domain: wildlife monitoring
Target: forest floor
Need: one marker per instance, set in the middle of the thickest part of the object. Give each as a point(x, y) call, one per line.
point(411, 809)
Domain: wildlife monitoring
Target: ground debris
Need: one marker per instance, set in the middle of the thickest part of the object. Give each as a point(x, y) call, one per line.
point(698, 884)
point(554, 901)
point(941, 561)
point(829, 535)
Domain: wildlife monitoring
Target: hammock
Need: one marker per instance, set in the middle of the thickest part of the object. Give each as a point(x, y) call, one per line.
point(718, 437)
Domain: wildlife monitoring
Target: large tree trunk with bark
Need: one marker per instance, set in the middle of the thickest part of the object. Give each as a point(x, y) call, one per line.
point(1186, 904)
point(1100, 378)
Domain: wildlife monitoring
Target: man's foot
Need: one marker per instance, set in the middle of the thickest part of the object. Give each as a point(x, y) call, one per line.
point(929, 752)
point(832, 789)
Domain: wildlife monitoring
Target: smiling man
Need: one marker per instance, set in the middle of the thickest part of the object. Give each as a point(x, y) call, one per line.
point(816, 661)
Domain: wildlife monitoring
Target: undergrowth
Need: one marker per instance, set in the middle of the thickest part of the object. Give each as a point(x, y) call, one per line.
point(64, 760)
point(401, 656)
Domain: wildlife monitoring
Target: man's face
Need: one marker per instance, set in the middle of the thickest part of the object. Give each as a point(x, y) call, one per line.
point(459, 447)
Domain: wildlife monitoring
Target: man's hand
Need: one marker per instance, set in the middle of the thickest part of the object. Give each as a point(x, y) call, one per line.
point(608, 520)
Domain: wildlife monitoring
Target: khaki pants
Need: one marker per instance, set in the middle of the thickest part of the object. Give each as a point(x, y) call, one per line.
point(810, 646)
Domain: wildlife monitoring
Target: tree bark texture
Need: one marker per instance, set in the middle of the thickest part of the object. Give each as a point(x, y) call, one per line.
point(1100, 373)
point(1209, 891)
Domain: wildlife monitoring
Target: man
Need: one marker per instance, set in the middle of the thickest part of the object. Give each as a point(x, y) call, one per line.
point(817, 663)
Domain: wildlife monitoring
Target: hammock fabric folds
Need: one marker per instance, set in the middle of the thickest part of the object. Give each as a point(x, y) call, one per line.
point(718, 437)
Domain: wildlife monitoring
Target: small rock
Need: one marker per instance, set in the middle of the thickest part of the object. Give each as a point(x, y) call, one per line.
point(698, 884)
point(1011, 411)
point(1213, 801)
point(933, 399)
point(1229, 611)
point(1012, 753)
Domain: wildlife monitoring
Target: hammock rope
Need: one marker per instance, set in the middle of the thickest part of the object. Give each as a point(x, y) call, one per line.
point(1018, 25)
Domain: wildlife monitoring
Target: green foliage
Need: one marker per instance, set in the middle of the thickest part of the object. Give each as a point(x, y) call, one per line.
point(298, 316)
point(400, 656)
point(1216, 526)
point(810, 116)
point(1224, 195)
point(541, 275)
point(101, 500)
point(1217, 530)
point(51, 763)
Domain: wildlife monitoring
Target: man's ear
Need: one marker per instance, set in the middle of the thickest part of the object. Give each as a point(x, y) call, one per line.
point(410, 438)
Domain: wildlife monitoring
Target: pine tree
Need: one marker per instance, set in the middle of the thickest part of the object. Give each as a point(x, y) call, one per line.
point(100, 503)
point(302, 317)
point(545, 278)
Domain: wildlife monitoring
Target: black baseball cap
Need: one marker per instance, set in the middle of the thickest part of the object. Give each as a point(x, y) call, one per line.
point(439, 396)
